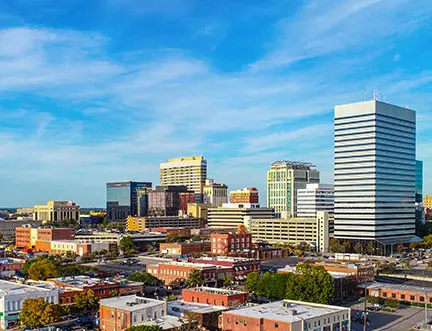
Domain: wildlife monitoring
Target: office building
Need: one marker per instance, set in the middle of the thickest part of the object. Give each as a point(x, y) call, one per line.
point(287, 315)
point(315, 197)
point(142, 201)
point(293, 231)
point(122, 199)
point(121, 313)
point(283, 180)
point(169, 200)
point(27, 237)
point(8, 228)
point(215, 194)
point(56, 211)
point(232, 215)
point(375, 173)
point(198, 210)
point(419, 181)
point(188, 171)
point(13, 295)
point(224, 243)
point(246, 195)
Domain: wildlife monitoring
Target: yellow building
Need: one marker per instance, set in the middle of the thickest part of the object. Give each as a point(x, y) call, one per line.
point(137, 224)
point(428, 202)
point(188, 171)
point(55, 211)
point(24, 211)
point(198, 210)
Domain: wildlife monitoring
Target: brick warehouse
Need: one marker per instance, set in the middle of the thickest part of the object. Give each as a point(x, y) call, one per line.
point(215, 296)
point(223, 243)
point(184, 248)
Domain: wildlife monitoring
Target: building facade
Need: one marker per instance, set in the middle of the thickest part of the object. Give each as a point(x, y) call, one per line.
point(142, 200)
point(188, 171)
point(233, 215)
point(292, 231)
point(287, 315)
point(315, 197)
point(246, 195)
point(27, 237)
point(56, 211)
point(122, 199)
point(427, 202)
point(283, 180)
point(169, 200)
point(215, 296)
point(8, 228)
point(215, 194)
point(141, 224)
point(224, 243)
point(375, 146)
point(184, 248)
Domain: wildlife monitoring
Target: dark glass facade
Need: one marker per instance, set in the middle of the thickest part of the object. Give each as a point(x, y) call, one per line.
point(169, 200)
point(419, 181)
point(122, 199)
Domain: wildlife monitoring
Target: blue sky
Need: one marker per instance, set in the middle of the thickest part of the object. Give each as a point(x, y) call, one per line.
point(95, 91)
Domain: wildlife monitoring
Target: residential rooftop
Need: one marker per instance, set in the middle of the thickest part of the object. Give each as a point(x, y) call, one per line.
point(15, 288)
point(81, 281)
point(130, 303)
point(398, 287)
point(288, 311)
point(166, 323)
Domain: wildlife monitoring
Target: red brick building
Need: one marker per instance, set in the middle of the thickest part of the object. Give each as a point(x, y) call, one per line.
point(215, 296)
point(240, 267)
point(400, 292)
point(361, 273)
point(184, 248)
point(27, 237)
point(223, 243)
point(181, 232)
point(177, 273)
point(247, 195)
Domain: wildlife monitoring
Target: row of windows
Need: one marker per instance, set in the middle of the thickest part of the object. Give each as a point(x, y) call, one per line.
point(377, 120)
point(373, 132)
point(377, 115)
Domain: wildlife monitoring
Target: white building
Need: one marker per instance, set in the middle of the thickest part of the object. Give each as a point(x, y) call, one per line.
point(283, 180)
point(292, 231)
point(215, 194)
point(375, 146)
point(13, 295)
point(315, 197)
point(234, 214)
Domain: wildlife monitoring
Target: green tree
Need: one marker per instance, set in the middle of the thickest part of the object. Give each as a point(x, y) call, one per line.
point(114, 293)
point(358, 248)
point(392, 303)
point(144, 277)
point(37, 312)
point(335, 246)
point(228, 281)
point(127, 245)
point(145, 328)
point(370, 249)
point(86, 301)
point(252, 281)
point(195, 278)
point(42, 270)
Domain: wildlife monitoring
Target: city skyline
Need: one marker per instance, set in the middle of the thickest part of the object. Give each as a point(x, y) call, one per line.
point(108, 95)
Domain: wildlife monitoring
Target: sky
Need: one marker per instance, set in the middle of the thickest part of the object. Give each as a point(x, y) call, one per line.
point(93, 91)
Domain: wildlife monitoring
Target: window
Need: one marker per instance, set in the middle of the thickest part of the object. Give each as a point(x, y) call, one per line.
point(412, 297)
point(394, 295)
point(276, 325)
point(385, 294)
point(402, 296)
point(422, 299)
point(228, 320)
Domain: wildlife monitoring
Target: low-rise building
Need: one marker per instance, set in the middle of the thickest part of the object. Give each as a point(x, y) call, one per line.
point(292, 231)
point(9, 266)
point(263, 253)
point(207, 232)
point(401, 292)
point(177, 273)
point(184, 248)
point(287, 315)
point(27, 237)
point(198, 210)
point(102, 288)
point(361, 273)
point(13, 295)
point(240, 266)
point(224, 243)
point(8, 228)
point(181, 232)
point(246, 195)
point(120, 313)
point(215, 296)
point(78, 247)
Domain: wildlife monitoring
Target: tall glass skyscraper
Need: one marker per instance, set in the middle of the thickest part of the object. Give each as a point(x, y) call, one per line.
point(375, 172)
point(419, 181)
point(122, 199)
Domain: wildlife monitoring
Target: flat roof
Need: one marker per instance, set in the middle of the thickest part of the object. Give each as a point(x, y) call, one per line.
point(288, 311)
point(194, 307)
point(7, 287)
point(166, 322)
point(397, 287)
point(215, 290)
point(189, 264)
point(130, 302)
point(81, 281)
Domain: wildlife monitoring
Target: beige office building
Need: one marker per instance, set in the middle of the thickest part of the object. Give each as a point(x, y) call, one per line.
point(188, 171)
point(292, 231)
point(55, 211)
point(215, 194)
point(283, 180)
point(231, 215)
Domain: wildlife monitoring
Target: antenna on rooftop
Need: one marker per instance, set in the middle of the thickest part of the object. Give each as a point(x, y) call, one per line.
point(364, 94)
point(376, 95)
